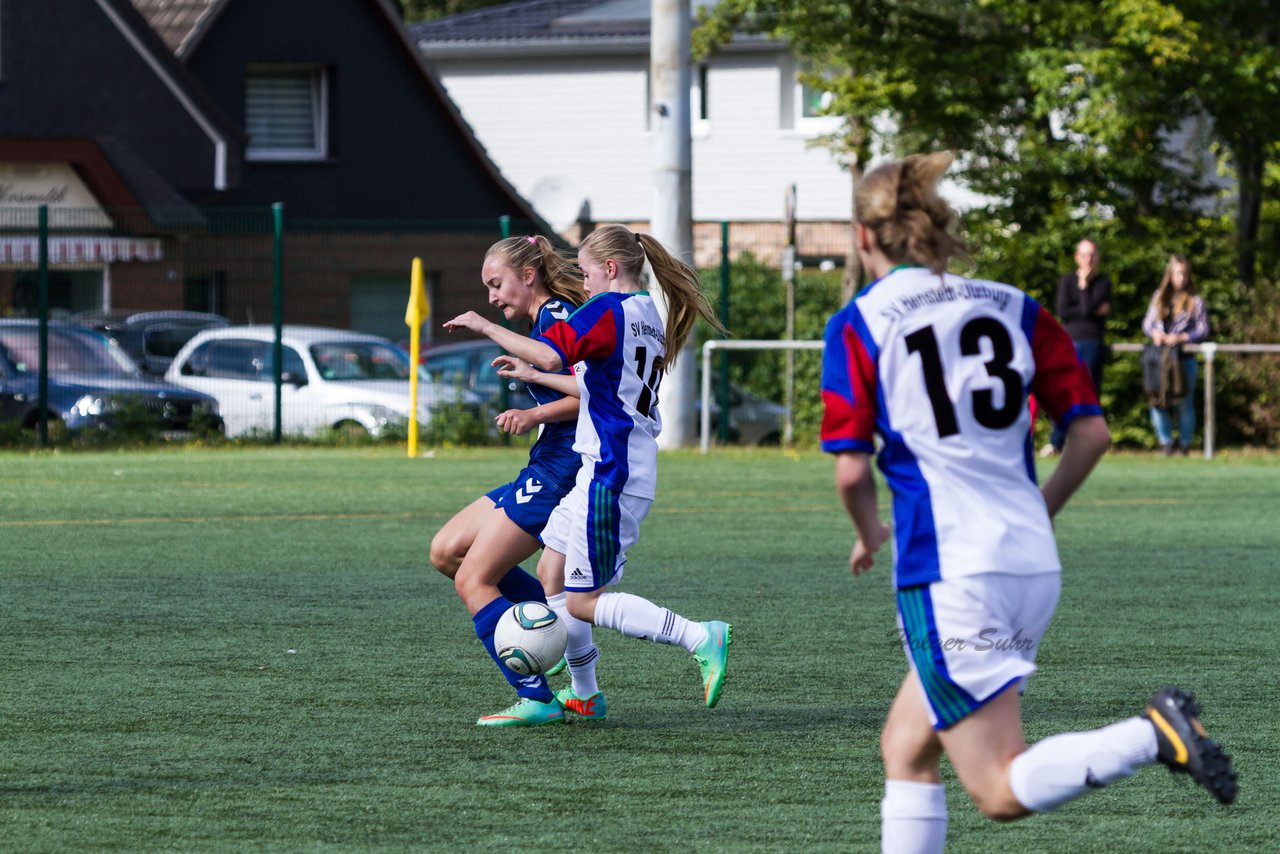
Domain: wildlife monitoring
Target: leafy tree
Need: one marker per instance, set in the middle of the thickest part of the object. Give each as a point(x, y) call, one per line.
point(1061, 109)
point(1068, 117)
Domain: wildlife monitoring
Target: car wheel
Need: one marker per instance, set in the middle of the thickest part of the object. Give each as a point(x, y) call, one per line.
point(774, 438)
point(58, 432)
point(349, 431)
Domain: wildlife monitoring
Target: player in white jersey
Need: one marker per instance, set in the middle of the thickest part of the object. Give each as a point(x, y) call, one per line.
point(623, 346)
point(937, 368)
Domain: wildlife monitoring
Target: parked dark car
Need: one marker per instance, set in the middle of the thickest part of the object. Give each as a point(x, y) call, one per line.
point(468, 364)
point(151, 338)
point(93, 385)
point(752, 420)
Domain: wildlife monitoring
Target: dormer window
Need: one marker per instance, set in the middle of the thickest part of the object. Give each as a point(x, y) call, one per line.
point(286, 112)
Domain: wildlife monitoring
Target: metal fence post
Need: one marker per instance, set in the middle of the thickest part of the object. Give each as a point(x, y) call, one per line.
point(42, 388)
point(724, 319)
point(1209, 350)
point(277, 313)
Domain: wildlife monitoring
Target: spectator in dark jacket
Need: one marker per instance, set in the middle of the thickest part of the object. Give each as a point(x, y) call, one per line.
point(1084, 301)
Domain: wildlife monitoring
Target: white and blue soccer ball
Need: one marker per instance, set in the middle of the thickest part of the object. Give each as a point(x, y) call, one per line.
point(529, 638)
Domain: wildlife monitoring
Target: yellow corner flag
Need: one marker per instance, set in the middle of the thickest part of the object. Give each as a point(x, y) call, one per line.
point(415, 315)
point(419, 309)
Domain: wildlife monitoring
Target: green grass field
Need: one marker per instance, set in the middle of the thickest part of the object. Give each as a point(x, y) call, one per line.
point(246, 650)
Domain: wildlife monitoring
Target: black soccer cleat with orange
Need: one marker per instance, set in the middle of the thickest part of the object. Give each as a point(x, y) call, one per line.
point(1183, 745)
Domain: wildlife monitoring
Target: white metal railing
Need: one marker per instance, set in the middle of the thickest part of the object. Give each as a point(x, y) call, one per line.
point(731, 344)
point(1209, 350)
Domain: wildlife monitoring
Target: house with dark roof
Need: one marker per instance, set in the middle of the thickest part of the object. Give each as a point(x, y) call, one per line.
point(160, 132)
point(558, 92)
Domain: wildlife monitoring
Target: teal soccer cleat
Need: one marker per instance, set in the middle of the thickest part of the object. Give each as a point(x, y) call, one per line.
point(525, 713)
point(592, 708)
point(712, 656)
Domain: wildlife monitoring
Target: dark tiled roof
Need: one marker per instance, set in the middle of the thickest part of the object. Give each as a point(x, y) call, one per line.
point(540, 20)
point(174, 20)
point(166, 206)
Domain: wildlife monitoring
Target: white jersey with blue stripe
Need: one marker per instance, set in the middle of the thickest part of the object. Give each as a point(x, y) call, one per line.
point(620, 341)
point(939, 367)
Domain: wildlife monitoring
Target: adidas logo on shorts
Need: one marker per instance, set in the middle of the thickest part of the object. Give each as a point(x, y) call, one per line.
point(579, 575)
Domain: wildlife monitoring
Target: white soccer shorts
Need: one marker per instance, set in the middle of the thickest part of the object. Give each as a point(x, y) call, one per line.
point(593, 527)
point(969, 638)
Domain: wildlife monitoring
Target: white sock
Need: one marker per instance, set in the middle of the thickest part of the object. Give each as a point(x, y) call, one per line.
point(1063, 767)
point(913, 818)
point(580, 651)
point(637, 617)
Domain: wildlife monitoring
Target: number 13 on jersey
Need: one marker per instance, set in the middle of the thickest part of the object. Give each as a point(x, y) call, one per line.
point(998, 402)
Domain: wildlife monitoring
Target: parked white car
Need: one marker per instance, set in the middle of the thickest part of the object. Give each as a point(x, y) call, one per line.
point(332, 378)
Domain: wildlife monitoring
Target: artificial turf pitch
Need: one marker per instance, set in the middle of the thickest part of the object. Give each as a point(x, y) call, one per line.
point(208, 650)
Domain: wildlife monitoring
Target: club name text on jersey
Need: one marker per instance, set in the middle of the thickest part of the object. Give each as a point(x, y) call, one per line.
point(908, 303)
point(639, 327)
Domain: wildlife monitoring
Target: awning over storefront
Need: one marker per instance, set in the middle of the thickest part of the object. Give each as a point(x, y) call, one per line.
point(25, 251)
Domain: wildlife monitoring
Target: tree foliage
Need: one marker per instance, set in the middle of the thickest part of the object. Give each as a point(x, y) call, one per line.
point(1118, 120)
point(1060, 107)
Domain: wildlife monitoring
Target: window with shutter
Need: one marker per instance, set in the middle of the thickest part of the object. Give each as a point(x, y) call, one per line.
point(286, 112)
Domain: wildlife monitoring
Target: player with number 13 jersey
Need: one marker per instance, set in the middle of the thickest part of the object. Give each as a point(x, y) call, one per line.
point(940, 367)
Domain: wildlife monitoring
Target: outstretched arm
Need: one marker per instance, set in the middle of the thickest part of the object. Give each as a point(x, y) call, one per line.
point(1087, 440)
point(521, 421)
point(517, 369)
point(856, 486)
point(535, 353)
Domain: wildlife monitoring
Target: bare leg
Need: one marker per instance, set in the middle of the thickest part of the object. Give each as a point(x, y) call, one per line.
point(498, 546)
point(981, 747)
point(450, 544)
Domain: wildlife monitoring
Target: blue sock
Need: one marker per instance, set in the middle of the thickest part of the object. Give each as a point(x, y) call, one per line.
point(530, 687)
point(519, 586)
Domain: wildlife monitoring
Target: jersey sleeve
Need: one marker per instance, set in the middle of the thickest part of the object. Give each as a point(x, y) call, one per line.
point(591, 332)
point(1061, 385)
point(551, 313)
point(848, 386)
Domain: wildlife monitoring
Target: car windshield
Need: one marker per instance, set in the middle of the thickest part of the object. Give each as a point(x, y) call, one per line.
point(71, 351)
point(360, 360)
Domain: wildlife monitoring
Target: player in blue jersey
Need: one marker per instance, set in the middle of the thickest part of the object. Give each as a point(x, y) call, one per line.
point(624, 347)
point(938, 368)
point(481, 547)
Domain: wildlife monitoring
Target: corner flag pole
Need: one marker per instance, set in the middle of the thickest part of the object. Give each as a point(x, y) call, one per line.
point(415, 315)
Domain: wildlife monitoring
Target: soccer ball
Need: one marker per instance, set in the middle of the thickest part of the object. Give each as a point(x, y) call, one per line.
point(529, 638)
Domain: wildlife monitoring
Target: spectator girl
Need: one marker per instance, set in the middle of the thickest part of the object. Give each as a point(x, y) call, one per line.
point(1177, 316)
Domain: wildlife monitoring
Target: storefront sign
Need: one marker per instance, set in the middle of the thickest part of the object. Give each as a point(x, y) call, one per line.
point(24, 187)
point(25, 251)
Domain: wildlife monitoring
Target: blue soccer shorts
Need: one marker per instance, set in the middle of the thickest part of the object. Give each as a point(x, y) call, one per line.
point(529, 499)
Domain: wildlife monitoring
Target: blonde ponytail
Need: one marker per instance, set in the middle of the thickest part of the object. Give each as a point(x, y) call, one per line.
point(553, 270)
point(679, 282)
point(899, 202)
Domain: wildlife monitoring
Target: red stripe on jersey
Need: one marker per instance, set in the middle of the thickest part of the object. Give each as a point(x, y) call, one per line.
point(595, 342)
point(852, 417)
point(1062, 381)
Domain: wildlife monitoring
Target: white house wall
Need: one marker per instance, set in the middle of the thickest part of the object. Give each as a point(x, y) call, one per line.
point(569, 132)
